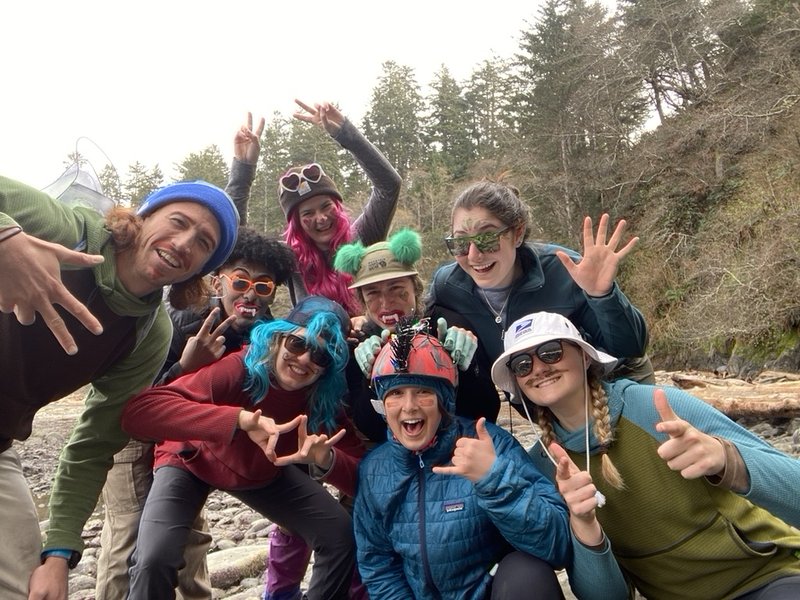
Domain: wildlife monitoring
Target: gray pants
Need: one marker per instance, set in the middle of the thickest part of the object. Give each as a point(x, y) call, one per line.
point(124, 495)
point(292, 500)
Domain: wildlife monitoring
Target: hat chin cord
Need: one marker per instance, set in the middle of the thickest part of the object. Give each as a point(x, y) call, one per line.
point(599, 497)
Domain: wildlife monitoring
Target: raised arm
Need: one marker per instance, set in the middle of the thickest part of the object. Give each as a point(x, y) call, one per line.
point(373, 224)
point(246, 148)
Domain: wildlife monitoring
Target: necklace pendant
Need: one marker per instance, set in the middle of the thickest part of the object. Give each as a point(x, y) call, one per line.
point(498, 319)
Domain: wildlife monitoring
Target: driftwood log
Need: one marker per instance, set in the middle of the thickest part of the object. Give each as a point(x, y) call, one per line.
point(770, 395)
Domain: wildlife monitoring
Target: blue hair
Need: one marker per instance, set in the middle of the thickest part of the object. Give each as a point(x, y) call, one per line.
point(327, 393)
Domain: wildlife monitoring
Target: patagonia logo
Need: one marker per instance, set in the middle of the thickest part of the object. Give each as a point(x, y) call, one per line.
point(453, 507)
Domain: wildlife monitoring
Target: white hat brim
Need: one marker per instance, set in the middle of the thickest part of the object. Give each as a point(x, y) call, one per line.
point(507, 381)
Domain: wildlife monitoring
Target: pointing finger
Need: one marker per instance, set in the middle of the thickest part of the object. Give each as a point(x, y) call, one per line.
point(565, 468)
point(260, 128)
point(304, 106)
point(293, 424)
point(205, 328)
point(335, 439)
point(662, 406)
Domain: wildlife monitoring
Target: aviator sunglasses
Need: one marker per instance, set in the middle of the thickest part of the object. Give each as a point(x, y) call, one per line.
point(311, 173)
point(549, 353)
point(299, 346)
point(240, 284)
point(486, 242)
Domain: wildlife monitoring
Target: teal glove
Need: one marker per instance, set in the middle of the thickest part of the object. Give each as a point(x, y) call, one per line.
point(367, 351)
point(460, 343)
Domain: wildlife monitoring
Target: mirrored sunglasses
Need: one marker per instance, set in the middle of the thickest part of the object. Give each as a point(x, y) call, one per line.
point(486, 242)
point(299, 346)
point(311, 173)
point(240, 284)
point(549, 353)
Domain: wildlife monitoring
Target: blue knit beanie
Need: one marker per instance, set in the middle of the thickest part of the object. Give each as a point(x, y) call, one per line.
point(210, 196)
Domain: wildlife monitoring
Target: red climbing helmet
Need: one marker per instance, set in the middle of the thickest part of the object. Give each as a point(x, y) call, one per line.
point(413, 353)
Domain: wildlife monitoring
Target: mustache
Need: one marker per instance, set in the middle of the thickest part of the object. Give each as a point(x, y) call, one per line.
point(534, 381)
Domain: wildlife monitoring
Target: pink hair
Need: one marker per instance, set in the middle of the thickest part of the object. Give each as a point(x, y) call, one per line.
point(316, 269)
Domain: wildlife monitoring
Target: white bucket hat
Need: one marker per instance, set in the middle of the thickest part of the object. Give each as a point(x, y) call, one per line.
point(534, 330)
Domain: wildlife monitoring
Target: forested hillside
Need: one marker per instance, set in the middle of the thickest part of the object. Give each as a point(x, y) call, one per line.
point(680, 116)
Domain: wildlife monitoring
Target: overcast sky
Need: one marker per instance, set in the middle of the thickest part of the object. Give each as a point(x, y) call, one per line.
point(155, 80)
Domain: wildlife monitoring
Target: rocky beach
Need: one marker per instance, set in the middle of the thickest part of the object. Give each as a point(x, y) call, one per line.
point(239, 551)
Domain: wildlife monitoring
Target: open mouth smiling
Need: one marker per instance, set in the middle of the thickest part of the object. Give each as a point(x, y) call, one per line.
point(413, 426)
point(168, 258)
point(482, 268)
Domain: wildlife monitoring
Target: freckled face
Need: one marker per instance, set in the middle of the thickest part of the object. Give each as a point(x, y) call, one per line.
point(487, 269)
point(413, 415)
point(388, 301)
point(318, 219)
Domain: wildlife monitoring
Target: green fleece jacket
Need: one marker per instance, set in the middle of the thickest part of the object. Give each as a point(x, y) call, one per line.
point(674, 538)
point(118, 364)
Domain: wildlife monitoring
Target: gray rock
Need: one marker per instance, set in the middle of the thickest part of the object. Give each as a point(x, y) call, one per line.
point(228, 567)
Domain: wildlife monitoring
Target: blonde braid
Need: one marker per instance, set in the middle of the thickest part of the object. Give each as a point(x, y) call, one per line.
point(544, 418)
point(602, 430)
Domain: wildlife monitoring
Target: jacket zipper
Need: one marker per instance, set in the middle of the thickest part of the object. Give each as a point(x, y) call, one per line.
point(422, 533)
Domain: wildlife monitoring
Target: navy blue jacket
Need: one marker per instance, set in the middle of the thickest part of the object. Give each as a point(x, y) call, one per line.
point(610, 323)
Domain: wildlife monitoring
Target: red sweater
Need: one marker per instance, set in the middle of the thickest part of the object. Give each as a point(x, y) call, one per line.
point(195, 420)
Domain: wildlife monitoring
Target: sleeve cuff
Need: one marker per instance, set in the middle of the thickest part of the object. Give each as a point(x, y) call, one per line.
point(71, 556)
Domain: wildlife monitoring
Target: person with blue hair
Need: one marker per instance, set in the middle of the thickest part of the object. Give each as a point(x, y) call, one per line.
point(243, 424)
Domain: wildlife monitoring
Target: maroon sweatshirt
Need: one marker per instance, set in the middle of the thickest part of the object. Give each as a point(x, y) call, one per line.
point(195, 420)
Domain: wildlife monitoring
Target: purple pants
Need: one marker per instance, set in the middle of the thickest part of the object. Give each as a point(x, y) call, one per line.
point(286, 567)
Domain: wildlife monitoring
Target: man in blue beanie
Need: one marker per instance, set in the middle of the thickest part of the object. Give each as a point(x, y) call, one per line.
point(96, 282)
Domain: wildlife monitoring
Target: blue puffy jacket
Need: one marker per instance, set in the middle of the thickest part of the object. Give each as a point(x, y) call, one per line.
point(424, 535)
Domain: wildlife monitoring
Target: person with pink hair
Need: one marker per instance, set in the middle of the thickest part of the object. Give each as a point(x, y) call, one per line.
point(317, 222)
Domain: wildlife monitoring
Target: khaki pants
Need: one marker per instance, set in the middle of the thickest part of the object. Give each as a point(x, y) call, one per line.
point(20, 538)
point(124, 496)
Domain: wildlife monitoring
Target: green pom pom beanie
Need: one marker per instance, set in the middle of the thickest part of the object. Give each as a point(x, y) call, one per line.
point(382, 261)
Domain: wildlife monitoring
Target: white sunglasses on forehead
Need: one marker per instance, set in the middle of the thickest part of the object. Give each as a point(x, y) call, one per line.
point(312, 173)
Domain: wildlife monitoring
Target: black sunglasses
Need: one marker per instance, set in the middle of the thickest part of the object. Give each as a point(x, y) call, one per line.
point(549, 353)
point(486, 242)
point(299, 346)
